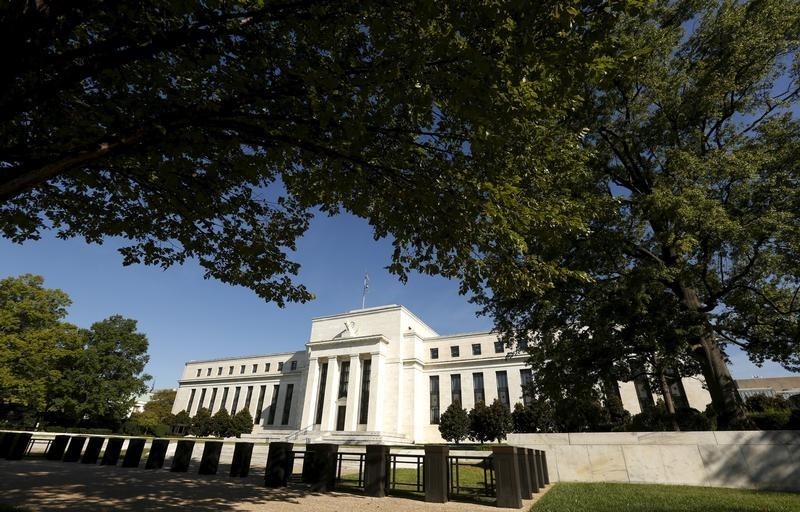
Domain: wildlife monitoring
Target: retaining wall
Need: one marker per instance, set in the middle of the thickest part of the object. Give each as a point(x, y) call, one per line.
point(744, 459)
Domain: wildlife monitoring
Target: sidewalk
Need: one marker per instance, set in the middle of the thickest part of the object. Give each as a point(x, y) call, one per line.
point(40, 485)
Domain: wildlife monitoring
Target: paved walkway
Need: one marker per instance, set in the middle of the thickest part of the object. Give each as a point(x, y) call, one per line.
point(40, 485)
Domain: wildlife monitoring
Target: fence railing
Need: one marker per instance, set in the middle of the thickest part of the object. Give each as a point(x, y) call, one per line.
point(34, 441)
point(401, 467)
point(346, 463)
point(471, 476)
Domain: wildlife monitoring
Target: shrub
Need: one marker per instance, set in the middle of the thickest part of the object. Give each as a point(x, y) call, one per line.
point(763, 403)
point(454, 423)
point(490, 423)
point(774, 419)
point(221, 423)
point(202, 423)
point(241, 423)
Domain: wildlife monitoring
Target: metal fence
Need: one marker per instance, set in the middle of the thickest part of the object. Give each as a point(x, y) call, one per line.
point(471, 476)
point(346, 463)
point(404, 481)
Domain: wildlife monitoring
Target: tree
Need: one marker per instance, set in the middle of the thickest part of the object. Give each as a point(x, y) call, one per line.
point(209, 130)
point(202, 423)
point(182, 422)
point(489, 423)
point(454, 423)
point(687, 200)
point(241, 423)
point(221, 423)
point(160, 404)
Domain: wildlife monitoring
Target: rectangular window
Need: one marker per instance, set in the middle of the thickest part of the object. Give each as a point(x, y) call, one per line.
point(476, 349)
point(208, 372)
point(202, 398)
point(191, 400)
point(499, 347)
point(454, 352)
point(273, 404)
point(260, 405)
point(230, 370)
point(248, 397)
point(526, 377)
point(477, 385)
point(219, 371)
point(502, 389)
point(224, 398)
point(280, 366)
point(344, 377)
point(213, 399)
point(455, 389)
point(363, 415)
point(434, 353)
point(235, 400)
point(434, 400)
point(293, 365)
point(323, 379)
point(255, 368)
point(266, 368)
point(287, 404)
point(241, 370)
point(198, 372)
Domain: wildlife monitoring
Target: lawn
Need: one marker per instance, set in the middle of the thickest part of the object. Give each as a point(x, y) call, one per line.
point(604, 497)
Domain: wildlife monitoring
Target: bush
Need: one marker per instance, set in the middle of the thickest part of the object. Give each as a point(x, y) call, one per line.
point(657, 419)
point(763, 403)
point(221, 423)
point(202, 423)
point(490, 423)
point(162, 430)
point(454, 423)
point(775, 419)
point(241, 423)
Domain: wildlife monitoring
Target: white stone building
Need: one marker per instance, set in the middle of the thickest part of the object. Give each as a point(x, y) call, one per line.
point(370, 375)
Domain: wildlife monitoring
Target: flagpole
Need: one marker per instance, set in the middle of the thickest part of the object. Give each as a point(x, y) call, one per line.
point(364, 292)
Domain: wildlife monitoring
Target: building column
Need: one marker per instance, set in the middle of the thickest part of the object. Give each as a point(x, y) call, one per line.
point(353, 393)
point(376, 398)
point(331, 394)
point(310, 397)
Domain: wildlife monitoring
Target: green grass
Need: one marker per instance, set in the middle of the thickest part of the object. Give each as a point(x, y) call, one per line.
point(604, 497)
point(467, 477)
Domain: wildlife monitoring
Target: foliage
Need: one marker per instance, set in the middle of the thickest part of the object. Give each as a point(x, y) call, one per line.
point(770, 412)
point(454, 423)
point(487, 423)
point(202, 423)
point(656, 419)
point(538, 416)
point(182, 422)
point(761, 403)
point(241, 423)
point(160, 405)
point(221, 423)
point(609, 497)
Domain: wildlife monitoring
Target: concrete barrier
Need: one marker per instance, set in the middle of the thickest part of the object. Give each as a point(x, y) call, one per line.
point(743, 459)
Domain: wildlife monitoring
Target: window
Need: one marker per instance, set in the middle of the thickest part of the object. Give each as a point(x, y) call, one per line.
point(191, 399)
point(344, 378)
point(224, 398)
point(260, 405)
point(287, 404)
point(477, 385)
point(241, 370)
point(235, 400)
point(280, 367)
point(434, 400)
point(198, 372)
point(248, 396)
point(266, 368)
point(208, 373)
point(502, 388)
point(273, 404)
point(202, 398)
point(455, 389)
point(454, 352)
point(526, 377)
point(323, 379)
point(219, 371)
point(363, 414)
point(293, 365)
point(434, 353)
point(213, 399)
point(255, 368)
point(476, 349)
point(230, 370)
point(499, 348)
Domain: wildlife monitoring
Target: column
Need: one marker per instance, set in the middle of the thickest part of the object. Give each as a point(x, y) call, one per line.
point(353, 393)
point(331, 394)
point(376, 398)
point(310, 397)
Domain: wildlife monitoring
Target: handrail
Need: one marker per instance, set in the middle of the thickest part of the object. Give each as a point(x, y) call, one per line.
point(297, 433)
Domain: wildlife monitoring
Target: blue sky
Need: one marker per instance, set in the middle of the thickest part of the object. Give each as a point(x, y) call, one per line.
point(186, 317)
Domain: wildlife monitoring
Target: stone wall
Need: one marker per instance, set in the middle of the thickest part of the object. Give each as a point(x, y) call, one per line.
point(746, 459)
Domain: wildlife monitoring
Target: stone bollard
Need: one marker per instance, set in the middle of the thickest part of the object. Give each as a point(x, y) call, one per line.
point(133, 454)
point(73, 453)
point(525, 490)
point(242, 455)
point(544, 468)
point(57, 447)
point(209, 462)
point(113, 449)
point(535, 478)
point(319, 466)
point(506, 470)
point(19, 447)
point(158, 452)
point(7, 440)
point(280, 460)
point(183, 456)
point(436, 468)
point(92, 452)
point(376, 470)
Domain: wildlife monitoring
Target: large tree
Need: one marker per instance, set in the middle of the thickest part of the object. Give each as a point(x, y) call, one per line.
point(689, 204)
point(207, 130)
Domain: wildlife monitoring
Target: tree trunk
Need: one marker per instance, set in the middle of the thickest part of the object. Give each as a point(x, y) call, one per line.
point(668, 402)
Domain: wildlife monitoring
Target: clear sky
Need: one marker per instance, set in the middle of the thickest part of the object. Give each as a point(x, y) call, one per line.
point(186, 317)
